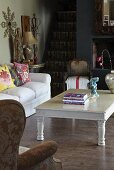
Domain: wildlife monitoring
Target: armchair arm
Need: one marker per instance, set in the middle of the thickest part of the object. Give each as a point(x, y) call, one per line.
point(41, 77)
point(36, 155)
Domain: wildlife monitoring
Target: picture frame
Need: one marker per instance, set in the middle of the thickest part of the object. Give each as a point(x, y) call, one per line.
point(25, 23)
point(112, 22)
point(106, 17)
point(105, 23)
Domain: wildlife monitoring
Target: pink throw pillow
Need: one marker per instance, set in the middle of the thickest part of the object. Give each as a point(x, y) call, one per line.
point(22, 71)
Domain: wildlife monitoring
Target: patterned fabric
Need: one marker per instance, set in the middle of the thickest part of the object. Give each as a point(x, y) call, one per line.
point(40, 157)
point(12, 122)
point(5, 78)
point(22, 71)
point(15, 77)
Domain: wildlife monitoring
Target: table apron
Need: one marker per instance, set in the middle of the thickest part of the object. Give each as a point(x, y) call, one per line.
point(72, 115)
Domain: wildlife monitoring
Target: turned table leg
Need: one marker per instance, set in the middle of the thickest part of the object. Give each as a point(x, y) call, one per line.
point(101, 132)
point(40, 128)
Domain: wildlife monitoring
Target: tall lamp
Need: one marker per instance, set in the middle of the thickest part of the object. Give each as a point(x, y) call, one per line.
point(28, 40)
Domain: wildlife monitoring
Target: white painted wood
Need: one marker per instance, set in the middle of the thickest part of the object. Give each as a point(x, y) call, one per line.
point(101, 132)
point(98, 108)
point(40, 128)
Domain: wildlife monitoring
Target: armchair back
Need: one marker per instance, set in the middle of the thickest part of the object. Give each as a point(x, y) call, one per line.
point(12, 123)
point(77, 68)
point(77, 75)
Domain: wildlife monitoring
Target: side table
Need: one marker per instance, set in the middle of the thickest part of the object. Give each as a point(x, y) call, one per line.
point(35, 67)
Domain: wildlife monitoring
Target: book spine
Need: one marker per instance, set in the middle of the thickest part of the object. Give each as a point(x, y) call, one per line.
point(77, 95)
point(71, 98)
point(72, 102)
point(78, 102)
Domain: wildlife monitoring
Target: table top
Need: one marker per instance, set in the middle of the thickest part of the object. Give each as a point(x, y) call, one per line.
point(97, 107)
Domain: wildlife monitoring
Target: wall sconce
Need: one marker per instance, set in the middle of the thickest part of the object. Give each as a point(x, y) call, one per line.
point(28, 40)
point(9, 24)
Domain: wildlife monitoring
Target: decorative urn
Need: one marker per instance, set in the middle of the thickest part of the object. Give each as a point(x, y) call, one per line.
point(109, 79)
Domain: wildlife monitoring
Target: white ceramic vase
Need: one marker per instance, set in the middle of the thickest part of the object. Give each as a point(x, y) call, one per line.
point(109, 79)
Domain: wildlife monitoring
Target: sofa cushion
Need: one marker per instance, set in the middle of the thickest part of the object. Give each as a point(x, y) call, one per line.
point(22, 71)
point(5, 78)
point(38, 87)
point(7, 96)
point(24, 94)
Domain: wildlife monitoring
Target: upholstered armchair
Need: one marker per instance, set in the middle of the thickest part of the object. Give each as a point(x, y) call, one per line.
point(77, 75)
point(12, 123)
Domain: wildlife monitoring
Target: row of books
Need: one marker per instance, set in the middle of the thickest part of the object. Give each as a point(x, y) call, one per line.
point(75, 98)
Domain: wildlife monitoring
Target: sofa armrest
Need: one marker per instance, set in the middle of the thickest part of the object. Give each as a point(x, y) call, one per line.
point(36, 155)
point(40, 77)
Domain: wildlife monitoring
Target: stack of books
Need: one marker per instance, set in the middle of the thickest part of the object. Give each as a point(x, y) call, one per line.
point(75, 98)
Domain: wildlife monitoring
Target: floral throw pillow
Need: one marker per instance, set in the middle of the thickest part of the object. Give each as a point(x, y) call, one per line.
point(22, 72)
point(5, 78)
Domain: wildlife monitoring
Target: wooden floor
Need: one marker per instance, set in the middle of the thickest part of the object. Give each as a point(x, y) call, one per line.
point(77, 140)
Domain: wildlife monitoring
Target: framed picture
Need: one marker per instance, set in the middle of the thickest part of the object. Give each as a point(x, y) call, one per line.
point(105, 23)
point(106, 17)
point(111, 22)
point(25, 23)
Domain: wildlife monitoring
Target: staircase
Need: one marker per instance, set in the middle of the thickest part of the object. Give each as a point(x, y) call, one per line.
point(62, 46)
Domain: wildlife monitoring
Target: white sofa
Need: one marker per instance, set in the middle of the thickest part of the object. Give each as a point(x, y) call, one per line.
point(32, 93)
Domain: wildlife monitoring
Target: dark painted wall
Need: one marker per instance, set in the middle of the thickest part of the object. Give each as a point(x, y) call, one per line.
point(85, 27)
point(46, 10)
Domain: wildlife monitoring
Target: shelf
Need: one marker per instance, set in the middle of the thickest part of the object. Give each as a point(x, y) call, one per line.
point(103, 37)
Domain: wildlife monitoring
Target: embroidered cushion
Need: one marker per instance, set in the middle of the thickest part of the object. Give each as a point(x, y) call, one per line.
point(22, 71)
point(5, 78)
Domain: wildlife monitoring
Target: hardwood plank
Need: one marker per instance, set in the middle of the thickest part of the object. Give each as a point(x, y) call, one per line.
point(77, 140)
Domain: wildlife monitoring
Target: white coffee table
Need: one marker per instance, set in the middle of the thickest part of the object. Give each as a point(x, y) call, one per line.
point(99, 109)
